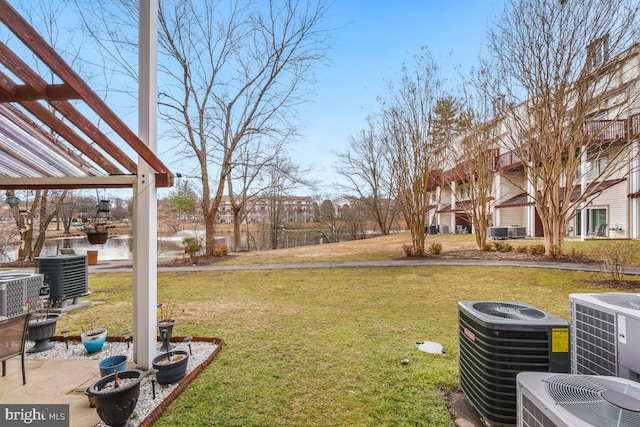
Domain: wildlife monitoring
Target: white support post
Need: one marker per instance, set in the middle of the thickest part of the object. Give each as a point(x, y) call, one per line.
point(498, 199)
point(635, 187)
point(452, 199)
point(583, 189)
point(145, 252)
point(436, 210)
point(531, 208)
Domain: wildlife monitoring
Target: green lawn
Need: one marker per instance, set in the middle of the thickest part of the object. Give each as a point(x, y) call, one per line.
point(324, 347)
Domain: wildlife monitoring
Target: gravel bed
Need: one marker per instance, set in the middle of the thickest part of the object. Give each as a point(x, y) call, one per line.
point(146, 403)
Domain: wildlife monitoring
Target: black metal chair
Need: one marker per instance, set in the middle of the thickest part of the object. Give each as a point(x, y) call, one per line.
point(13, 333)
point(600, 232)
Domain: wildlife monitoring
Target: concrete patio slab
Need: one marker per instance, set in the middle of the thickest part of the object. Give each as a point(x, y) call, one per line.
point(53, 381)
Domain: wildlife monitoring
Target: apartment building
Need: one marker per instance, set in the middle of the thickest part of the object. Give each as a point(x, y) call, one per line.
point(612, 200)
point(260, 209)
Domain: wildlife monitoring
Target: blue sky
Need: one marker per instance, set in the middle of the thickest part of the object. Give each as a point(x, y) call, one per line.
point(371, 41)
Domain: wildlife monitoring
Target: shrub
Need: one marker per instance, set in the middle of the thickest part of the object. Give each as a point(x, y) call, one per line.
point(577, 255)
point(522, 249)
point(435, 248)
point(555, 252)
point(500, 246)
point(191, 247)
point(408, 250)
point(616, 257)
point(220, 250)
point(505, 247)
point(488, 247)
point(537, 249)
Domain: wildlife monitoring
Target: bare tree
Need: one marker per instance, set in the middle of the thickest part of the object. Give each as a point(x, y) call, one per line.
point(559, 82)
point(229, 71)
point(368, 173)
point(473, 151)
point(243, 183)
point(330, 215)
point(356, 217)
point(44, 206)
point(407, 129)
point(232, 78)
point(282, 177)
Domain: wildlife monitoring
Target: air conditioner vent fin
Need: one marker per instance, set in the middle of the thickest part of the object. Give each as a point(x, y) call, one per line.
point(568, 400)
point(532, 416)
point(618, 299)
point(583, 397)
point(509, 311)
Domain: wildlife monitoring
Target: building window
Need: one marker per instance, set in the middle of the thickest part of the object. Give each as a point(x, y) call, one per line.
point(594, 167)
point(598, 52)
point(464, 193)
point(595, 217)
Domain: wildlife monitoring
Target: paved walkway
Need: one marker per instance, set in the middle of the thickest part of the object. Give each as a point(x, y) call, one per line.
point(121, 266)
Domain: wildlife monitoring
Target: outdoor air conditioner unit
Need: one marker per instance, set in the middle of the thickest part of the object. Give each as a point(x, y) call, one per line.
point(498, 340)
point(563, 400)
point(66, 275)
point(507, 232)
point(605, 334)
point(516, 232)
point(498, 233)
point(16, 287)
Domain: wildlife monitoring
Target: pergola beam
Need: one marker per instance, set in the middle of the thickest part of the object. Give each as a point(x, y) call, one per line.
point(54, 92)
point(69, 182)
point(25, 33)
point(21, 69)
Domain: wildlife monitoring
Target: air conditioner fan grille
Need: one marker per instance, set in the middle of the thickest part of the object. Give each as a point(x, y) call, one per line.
point(598, 401)
point(505, 310)
point(631, 301)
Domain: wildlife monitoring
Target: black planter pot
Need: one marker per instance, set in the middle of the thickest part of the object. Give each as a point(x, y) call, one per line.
point(171, 366)
point(40, 330)
point(115, 406)
point(98, 237)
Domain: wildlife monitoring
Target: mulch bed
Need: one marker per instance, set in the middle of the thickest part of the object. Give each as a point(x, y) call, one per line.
point(507, 256)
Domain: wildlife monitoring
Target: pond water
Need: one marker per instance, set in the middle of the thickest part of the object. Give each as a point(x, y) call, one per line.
point(120, 247)
point(116, 248)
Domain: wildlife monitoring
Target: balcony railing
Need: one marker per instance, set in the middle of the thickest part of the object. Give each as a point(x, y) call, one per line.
point(507, 160)
point(602, 131)
point(634, 123)
point(607, 130)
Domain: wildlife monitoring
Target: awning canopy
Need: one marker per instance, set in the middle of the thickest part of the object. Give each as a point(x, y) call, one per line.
point(48, 142)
